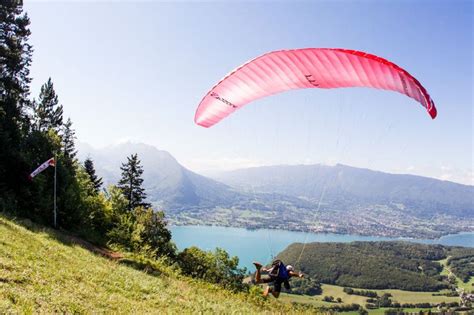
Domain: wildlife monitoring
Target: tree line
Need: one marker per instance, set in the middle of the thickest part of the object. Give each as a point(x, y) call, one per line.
point(367, 293)
point(32, 130)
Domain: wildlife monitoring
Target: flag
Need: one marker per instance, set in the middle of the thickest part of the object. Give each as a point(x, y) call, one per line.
point(42, 167)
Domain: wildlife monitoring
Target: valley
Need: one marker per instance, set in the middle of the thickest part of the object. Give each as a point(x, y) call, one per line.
point(297, 198)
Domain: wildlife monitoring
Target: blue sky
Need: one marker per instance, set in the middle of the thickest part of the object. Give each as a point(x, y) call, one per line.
point(137, 71)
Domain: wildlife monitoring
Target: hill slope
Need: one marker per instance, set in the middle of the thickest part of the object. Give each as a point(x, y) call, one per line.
point(41, 272)
point(167, 183)
point(378, 265)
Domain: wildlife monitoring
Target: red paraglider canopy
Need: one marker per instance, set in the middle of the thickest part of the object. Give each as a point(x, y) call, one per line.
point(324, 68)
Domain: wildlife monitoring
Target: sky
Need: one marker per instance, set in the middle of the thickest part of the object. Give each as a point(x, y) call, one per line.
point(136, 71)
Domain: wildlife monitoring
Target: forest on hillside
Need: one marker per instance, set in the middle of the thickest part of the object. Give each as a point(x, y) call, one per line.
point(381, 265)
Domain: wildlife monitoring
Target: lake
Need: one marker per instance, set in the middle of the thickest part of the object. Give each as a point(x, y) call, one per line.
point(261, 245)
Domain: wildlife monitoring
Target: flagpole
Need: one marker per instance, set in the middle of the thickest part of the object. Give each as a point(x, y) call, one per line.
point(55, 167)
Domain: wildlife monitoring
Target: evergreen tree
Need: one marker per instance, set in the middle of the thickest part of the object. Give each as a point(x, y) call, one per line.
point(131, 183)
point(47, 113)
point(15, 59)
point(68, 137)
point(89, 167)
point(69, 197)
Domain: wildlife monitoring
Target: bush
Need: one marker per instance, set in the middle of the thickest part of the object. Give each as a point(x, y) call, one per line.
point(143, 231)
point(214, 267)
point(370, 306)
point(348, 290)
point(384, 300)
point(328, 299)
point(150, 232)
point(346, 307)
point(305, 286)
point(367, 293)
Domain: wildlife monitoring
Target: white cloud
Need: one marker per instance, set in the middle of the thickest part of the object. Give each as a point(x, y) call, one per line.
point(442, 172)
point(446, 168)
point(126, 140)
point(455, 175)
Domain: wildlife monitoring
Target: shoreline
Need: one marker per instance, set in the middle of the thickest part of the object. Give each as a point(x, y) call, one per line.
point(334, 233)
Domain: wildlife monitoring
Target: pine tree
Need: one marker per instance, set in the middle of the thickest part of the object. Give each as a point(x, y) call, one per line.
point(89, 167)
point(68, 136)
point(47, 113)
point(15, 59)
point(131, 183)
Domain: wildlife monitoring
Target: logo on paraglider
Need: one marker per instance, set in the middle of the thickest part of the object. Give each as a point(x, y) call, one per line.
point(223, 100)
point(311, 80)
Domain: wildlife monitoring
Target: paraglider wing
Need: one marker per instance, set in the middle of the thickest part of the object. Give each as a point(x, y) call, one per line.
point(324, 68)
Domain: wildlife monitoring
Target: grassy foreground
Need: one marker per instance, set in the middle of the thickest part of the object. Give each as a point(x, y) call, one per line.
point(42, 272)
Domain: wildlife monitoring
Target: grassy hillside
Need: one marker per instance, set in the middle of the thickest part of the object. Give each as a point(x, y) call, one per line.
point(42, 271)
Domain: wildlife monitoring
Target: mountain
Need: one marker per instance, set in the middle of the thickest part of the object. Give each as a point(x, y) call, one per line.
point(349, 186)
point(168, 184)
point(317, 198)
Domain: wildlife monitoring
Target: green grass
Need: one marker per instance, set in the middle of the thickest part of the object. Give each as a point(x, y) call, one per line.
point(337, 291)
point(397, 295)
point(418, 297)
point(466, 286)
point(445, 271)
point(42, 272)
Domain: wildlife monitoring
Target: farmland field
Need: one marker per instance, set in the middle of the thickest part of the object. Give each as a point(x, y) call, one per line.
point(397, 295)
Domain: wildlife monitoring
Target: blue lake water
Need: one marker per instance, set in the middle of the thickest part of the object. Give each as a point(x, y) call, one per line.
point(261, 245)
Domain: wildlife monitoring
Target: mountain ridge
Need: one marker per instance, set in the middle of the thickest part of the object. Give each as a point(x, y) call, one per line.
point(217, 175)
point(167, 182)
point(365, 185)
point(301, 197)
